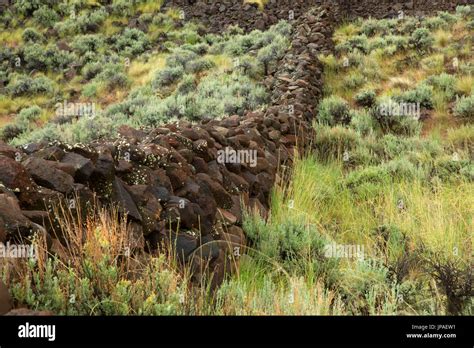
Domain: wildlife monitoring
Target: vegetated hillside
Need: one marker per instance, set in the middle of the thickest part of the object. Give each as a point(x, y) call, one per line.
point(375, 219)
point(77, 71)
point(394, 181)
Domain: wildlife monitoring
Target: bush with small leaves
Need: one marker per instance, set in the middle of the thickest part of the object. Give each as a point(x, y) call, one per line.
point(131, 42)
point(199, 48)
point(448, 17)
point(400, 42)
point(470, 24)
point(356, 59)
point(29, 114)
point(464, 108)
point(40, 58)
point(362, 122)
point(91, 21)
point(187, 85)
point(422, 94)
point(87, 43)
point(390, 146)
point(398, 117)
point(406, 126)
point(376, 43)
point(7, 57)
point(269, 55)
point(25, 85)
point(334, 110)
point(4, 78)
point(67, 28)
point(137, 98)
point(357, 42)
point(444, 83)
point(366, 98)
point(237, 47)
point(434, 23)
point(465, 11)
point(180, 57)
point(293, 245)
point(370, 27)
point(87, 129)
point(114, 76)
point(215, 96)
point(146, 18)
point(421, 39)
point(35, 57)
point(25, 117)
point(167, 77)
point(45, 16)
point(32, 35)
point(282, 28)
point(248, 65)
point(91, 70)
point(355, 79)
point(10, 132)
point(408, 25)
point(186, 35)
point(199, 65)
point(449, 169)
point(49, 132)
point(27, 7)
point(402, 169)
point(90, 90)
point(229, 94)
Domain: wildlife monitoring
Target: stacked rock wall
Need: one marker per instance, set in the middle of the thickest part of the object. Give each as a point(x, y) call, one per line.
point(218, 14)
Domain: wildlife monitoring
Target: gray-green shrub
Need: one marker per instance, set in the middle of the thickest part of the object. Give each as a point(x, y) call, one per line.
point(366, 98)
point(32, 35)
point(45, 16)
point(334, 110)
point(167, 77)
point(25, 85)
point(464, 108)
point(421, 39)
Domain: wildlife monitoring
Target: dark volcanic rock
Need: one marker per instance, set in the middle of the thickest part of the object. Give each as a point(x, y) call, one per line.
point(126, 204)
point(12, 221)
point(14, 176)
point(45, 174)
point(83, 166)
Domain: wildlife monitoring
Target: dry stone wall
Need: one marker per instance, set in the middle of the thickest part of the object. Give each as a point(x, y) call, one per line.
point(218, 14)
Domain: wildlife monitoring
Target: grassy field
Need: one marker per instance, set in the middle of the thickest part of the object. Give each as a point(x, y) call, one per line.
point(375, 219)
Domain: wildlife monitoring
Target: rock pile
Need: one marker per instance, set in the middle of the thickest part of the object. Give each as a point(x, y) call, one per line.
point(217, 15)
point(393, 8)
